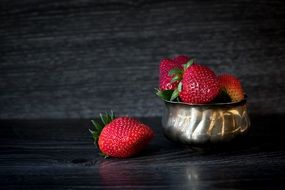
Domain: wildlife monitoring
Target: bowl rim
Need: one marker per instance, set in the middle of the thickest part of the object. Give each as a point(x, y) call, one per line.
point(226, 104)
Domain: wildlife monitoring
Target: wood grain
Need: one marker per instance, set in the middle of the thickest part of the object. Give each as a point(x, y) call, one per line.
point(74, 59)
point(60, 154)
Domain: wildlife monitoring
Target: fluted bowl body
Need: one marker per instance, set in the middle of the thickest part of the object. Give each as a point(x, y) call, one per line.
point(199, 124)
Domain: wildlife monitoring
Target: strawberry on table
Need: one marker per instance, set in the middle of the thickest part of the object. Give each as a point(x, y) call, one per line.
point(231, 86)
point(120, 137)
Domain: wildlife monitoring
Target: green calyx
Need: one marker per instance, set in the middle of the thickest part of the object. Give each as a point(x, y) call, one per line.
point(98, 126)
point(177, 75)
point(168, 95)
point(188, 64)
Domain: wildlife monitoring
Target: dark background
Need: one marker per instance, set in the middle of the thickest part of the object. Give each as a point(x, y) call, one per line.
point(75, 59)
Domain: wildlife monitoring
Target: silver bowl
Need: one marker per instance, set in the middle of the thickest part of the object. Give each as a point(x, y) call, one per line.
point(204, 123)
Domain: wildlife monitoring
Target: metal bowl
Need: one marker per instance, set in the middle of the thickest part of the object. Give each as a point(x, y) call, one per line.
point(204, 123)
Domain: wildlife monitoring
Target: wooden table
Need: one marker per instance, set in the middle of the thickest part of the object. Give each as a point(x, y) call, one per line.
point(60, 154)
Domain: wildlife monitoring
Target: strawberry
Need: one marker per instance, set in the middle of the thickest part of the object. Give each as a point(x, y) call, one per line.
point(181, 59)
point(120, 137)
point(165, 77)
point(196, 83)
point(200, 85)
point(231, 86)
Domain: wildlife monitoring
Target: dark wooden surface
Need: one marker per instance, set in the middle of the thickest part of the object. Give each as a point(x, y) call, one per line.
point(74, 59)
point(59, 154)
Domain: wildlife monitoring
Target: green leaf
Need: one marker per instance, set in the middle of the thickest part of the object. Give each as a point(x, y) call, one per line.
point(177, 99)
point(107, 118)
point(112, 115)
point(102, 118)
point(174, 94)
point(188, 64)
point(91, 131)
point(179, 87)
point(164, 94)
point(104, 155)
point(176, 78)
point(97, 126)
point(175, 71)
point(95, 135)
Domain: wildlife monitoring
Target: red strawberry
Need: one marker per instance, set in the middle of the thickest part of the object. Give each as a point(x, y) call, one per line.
point(121, 137)
point(232, 87)
point(165, 66)
point(199, 85)
point(181, 59)
point(164, 79)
